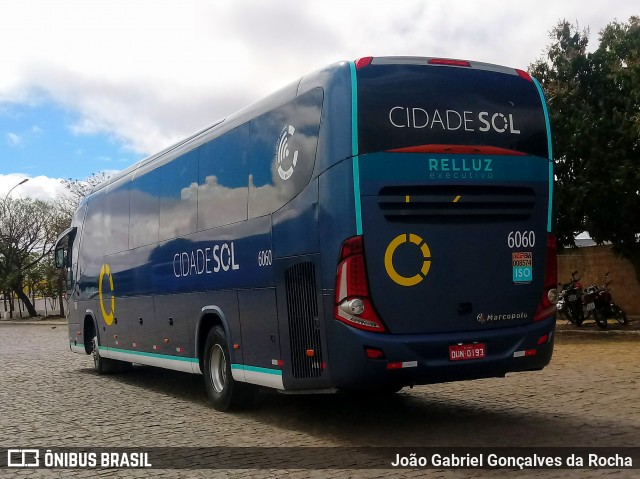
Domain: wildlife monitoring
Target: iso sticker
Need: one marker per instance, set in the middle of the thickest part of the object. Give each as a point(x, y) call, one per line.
point(522, 263)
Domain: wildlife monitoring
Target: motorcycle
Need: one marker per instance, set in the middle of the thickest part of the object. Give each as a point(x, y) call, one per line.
point(570, 305)
point(603, 306)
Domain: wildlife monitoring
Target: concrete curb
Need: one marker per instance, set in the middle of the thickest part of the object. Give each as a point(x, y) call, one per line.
point(38, 322)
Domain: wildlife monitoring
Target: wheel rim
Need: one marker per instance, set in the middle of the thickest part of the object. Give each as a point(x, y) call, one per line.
point(218, 368)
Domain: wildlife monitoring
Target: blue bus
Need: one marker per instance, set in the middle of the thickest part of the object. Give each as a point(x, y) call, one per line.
point(377, 224)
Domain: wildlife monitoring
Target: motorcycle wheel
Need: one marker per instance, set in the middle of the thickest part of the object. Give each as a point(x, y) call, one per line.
point(600, 318)
point(577, 317)
point(621, 316)
point(564, 314)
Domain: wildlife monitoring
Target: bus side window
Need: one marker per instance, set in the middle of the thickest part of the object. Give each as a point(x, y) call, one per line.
point(144, 209)
point(179, 196)
point(282, 152)
point(92, 247)
point(223, 172)
point(116, 217)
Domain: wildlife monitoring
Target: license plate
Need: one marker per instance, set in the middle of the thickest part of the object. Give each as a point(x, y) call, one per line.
point(572, 297)
point(591, 306)
point(464, 352)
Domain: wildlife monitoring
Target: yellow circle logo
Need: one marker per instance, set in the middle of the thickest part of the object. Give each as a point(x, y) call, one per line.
point(388, 259)
point(108, 317)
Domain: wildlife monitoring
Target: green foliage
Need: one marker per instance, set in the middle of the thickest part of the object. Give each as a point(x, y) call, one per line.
point(594, 104)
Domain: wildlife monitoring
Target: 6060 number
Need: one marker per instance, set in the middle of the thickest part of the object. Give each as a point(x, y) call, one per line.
point(521, 239)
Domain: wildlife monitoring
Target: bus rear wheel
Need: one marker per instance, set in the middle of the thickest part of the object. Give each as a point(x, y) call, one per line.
point(224, 393)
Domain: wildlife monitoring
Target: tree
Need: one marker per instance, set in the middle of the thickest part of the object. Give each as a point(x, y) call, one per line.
point(78, 189)
point(594, 105)
point(27, 235)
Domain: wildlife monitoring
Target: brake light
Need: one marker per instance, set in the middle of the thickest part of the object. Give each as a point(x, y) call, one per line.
point(352, 301)
point(547, 306)
point(449, 62)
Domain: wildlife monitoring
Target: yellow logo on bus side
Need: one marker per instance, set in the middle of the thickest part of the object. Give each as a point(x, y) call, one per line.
point(388, 259)
point(108, 317)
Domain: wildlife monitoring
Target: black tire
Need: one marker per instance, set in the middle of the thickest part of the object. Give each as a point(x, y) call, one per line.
point(100, 364)
point(577, 315)
point(105, 365)
point(224, 393)
point(621, 316)
point(564, 314)
point(600, 318)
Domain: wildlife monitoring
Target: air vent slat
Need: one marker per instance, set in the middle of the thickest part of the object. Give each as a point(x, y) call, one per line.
point(302, 312)
point(456, 203)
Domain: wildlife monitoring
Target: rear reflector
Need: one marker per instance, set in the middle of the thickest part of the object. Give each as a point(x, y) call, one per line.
point(449, 62)
point(402, 365)
point(374, 353)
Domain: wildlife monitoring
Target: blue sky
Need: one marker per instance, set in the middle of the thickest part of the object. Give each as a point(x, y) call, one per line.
point(89, 86)
point(41, 139)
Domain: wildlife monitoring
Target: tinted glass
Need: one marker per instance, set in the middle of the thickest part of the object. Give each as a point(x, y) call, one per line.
point(410, 105)
point(223, 179)
point(282, 153)
point(144, 209)
point(179, 196)
point(92, 243)
point(116, 217)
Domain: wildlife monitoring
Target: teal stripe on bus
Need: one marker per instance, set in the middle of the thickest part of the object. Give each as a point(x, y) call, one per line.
point(256, 369)
point(549, 149)
point(354, 148)
point(151, 355)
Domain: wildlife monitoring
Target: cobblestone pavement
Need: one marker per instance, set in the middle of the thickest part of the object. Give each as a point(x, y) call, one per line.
point(49, 397)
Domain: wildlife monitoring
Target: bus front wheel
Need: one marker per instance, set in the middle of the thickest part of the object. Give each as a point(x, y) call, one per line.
point(104, 365)
point(224, 393)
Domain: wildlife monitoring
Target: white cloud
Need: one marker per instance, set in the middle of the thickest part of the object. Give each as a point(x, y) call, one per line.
point(38, 187)
point(151, 71)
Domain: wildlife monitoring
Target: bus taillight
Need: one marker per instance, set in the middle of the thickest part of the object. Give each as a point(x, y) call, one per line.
point(363, 62)
point(449, 62)
point(547, 306)
point(352, 302)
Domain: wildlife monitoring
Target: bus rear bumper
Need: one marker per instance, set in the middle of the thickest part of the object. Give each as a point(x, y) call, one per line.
point(424, 358)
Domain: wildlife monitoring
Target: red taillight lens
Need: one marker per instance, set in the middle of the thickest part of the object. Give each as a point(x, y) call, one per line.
point(547, 306)
point(352, 302)
point(524, 74)
point(363, 62)
point(449, 62)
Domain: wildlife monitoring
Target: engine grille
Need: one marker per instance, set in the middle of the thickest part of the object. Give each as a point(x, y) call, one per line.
point(302, 312)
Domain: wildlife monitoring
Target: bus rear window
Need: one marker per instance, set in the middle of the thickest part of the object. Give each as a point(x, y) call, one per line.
point(401, 106)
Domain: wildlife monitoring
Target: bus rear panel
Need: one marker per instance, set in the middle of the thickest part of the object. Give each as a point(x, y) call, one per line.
point(452, 273)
